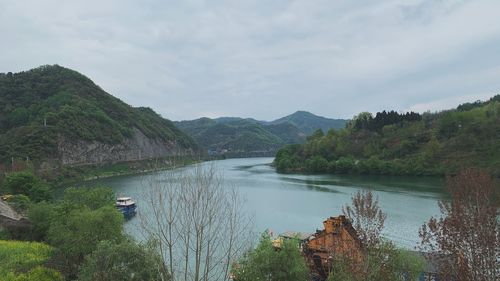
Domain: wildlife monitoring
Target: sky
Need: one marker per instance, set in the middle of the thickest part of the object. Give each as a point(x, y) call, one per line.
point(265, 58)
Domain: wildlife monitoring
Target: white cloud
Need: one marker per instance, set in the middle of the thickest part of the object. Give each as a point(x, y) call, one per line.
point(263, 59)
point(448, 103)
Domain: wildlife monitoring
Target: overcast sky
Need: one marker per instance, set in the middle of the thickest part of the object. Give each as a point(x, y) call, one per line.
point(264, 59)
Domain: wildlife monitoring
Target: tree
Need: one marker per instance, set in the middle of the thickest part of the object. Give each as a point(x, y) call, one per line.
point(368, 219)
point(466, 237)
point(41, 216)
point(362, 120)
point(27, 184)
point(316, 135)
point(317, 164)
point(125, 261)
point(199, 223)
point(384, 262)
point(75, 225)
point(93, 198)
point(381, 260)
point(76, 233)
point(267, 263)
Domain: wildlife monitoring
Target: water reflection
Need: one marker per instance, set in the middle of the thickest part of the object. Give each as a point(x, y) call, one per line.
point(284, 202)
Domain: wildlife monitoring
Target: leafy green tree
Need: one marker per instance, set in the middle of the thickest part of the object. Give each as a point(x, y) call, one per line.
point(283, 164)
point(362, 120)
point(125, 261)
point(317, 164)
point(344, 165)
point(27, 184)
point(92, 198)
point(41, 216)
point(266, 263)
point(318, 134)
point(76, 233)
point(75, 225)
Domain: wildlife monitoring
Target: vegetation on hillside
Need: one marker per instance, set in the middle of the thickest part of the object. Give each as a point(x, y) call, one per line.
point(25, 183)
point(39, 106)
point(308, 122)
point(125, 261)
point(265, 262)
point(25, 261)
point(240, 137)
point(403, 144)
point(82, 236)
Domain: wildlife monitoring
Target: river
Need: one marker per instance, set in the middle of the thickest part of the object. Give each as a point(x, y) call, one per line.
point(291, 202)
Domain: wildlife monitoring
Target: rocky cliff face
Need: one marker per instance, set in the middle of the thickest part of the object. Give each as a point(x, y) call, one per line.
point(137, 148)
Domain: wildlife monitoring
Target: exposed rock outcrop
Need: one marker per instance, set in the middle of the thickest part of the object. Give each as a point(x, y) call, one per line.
point(12, 222)
point(138, 147)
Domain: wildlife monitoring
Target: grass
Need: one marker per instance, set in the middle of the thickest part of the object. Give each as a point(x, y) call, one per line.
point(18, 256)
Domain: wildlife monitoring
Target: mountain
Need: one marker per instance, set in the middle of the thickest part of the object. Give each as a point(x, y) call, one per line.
point(234, 136)
point(238, 137)
point(404, 144)
point(52, 115)
point(235, 119)
point(308, 122)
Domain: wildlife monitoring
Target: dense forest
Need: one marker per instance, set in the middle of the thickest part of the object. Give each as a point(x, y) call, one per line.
point(40, 106)
point(395, 143)
point(238, 137)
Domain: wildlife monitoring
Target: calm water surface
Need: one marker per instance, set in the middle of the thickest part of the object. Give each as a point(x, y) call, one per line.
point(301, 202)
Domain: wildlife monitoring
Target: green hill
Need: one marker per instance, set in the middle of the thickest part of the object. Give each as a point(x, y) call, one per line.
point(237, 137)
point(234, 136)
point(403, 144)
point(56, 115)
point(308, 122)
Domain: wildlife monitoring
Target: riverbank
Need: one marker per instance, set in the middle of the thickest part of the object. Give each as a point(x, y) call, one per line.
point(74, 174)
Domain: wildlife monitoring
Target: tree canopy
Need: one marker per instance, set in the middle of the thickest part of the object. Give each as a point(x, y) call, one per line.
point(39, 106)
point(266, 263)
point(394, 143)
point(124, 261)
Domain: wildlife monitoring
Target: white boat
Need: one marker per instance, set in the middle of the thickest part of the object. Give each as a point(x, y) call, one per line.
point(126, 205)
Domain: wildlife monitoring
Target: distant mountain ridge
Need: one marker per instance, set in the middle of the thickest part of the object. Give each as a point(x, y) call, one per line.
point(57, 116)
point(308, 122)
point(235, 136)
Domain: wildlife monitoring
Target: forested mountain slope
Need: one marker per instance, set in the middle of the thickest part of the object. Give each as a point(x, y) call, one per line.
point(55, 115)
point(404, 144)
point(236, 136)
point(239, 137)
point(308, 122)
